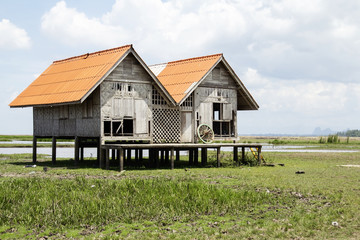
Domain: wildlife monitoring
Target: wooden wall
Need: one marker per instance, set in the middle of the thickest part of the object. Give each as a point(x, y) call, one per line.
point(217, 87)
point(68, 120)
point(126, 93)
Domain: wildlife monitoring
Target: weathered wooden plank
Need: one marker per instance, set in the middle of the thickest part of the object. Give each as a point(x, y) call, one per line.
point(76, 147)
point(34, 149)
point(107, 159)
point(121, 160)
point(235, 154)
point(172, 158)
point(53, 152)
point(203, 156)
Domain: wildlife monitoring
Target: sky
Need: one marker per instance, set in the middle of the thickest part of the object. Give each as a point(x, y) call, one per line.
point(299, 59)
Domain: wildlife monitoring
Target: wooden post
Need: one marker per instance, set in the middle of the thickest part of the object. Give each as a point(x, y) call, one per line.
point(53, 154)
point(107, 160)
point(81, 153)
point(172, 158)
point(166, 155)
point(156, 158)
point(218, 157)
point(140, 154)
point(177, 155)
point(34, 148)
point(121, 154)
point(102, 156)
point(136, 155)
point(98, 152)
point(196, 156)
point(203, 156)
point(243, 154)
point(113, 154)
point(162, 160)
point(236, 154)
point(151, 157)
point(128, 159)
point(76, 151)
point(191, 156)
point(118, 155)
point(259, 155)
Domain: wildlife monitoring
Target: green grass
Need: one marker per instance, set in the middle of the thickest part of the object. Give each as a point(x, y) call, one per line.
point(199, 203)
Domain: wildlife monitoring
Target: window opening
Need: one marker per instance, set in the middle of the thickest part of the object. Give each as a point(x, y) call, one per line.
point(188, 102)
point(222, 127)
point(157, 99)
point(107, 128)
point(216, 109)
point(124, 127)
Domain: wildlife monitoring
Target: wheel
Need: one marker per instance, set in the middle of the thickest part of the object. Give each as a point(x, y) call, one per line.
point(205, 133)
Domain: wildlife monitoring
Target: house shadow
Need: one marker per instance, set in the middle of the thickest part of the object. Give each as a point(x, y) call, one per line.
point(137, 165)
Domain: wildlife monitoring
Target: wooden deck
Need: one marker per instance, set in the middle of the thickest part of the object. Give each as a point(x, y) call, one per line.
point(118, 150)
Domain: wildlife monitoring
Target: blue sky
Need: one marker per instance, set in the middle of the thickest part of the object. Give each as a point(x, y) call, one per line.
point(299, 59)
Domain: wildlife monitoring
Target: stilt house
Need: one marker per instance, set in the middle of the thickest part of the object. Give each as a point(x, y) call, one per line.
point(113, 96)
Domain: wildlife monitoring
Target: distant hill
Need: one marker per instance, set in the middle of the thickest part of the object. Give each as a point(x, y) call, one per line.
point(323, 132)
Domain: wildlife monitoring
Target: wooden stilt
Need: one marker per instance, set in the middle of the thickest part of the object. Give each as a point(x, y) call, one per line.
point(203, 156)
point(76, 155)
point(191, 157)
point(102, 158)
point(162, 160)
point(243, 154)
point(118, 155)
point(136, 155)
point(107, 160)
point(53, 153)
point(121, 154)
point(81, 153)
point(113, 154)
point(141, 154)
point(157, 158)
point(196, 156)
point(172, 159)
point(166, 156)
point(218, 157)
point(98, 151)
point(177, 155)
point(34, 149)
point(259, 155)
point(128, 157)
point(236, 154)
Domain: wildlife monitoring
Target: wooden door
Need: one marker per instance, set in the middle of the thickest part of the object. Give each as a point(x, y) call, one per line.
point(186, 127)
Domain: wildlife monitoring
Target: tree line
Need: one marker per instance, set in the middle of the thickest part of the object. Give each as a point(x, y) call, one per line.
point(349, 133)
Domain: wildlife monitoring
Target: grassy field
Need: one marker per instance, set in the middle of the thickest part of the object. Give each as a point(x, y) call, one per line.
point(85, 202)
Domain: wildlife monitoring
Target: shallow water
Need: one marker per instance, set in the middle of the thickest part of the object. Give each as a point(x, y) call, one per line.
point(91, 152)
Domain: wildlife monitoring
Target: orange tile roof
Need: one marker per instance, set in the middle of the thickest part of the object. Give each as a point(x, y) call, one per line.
point(178, 76)
point(69, 80)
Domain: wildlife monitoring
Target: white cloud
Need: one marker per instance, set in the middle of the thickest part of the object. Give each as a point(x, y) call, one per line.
point(313, 98)
point(75, 28)
point(13, 37)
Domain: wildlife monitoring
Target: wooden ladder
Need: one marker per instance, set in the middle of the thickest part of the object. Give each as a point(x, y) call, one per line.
point(255, 153)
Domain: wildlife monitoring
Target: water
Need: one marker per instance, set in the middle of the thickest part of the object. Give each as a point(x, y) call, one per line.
point(92, 152)
point(30, 142)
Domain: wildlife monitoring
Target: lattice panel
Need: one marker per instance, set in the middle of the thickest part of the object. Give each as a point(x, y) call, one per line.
point(166, 126)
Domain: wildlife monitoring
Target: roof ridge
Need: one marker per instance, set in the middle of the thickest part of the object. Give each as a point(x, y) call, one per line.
point(188, 59)
point(86, 55)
